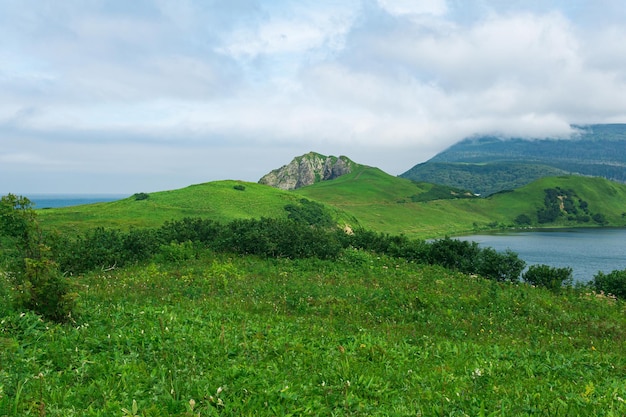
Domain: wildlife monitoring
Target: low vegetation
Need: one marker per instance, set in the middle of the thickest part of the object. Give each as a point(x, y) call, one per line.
point(291, 315)
point(360, 335)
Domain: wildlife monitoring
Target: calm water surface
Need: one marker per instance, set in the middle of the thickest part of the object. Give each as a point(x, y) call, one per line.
point(587, 251)
point(42, 201)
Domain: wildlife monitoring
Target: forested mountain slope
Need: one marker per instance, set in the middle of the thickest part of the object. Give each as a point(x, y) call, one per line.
point(486, 165)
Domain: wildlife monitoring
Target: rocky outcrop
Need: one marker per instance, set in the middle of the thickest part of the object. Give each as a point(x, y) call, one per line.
point(306, 170)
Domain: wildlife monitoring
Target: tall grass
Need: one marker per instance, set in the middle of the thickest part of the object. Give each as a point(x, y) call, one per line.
point(361, 335)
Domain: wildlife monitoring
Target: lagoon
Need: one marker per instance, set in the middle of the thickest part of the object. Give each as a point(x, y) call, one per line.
point(585, 250)
point(43, 201)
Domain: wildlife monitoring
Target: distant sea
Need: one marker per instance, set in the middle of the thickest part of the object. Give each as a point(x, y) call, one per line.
point(42, 201)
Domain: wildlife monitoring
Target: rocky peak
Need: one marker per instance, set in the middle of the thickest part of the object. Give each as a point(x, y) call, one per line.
point(306, 170)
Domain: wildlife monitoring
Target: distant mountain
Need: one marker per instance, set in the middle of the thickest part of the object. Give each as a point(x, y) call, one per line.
point(308, 169)
point(487, 164)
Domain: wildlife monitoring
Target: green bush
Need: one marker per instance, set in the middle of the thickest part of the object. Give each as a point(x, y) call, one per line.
point(549, 277)
point(458, 255)
point(611, 283)
point(141, 196)
point(310, 212)
point(6, 300)
point(31, 271)
point(177, 252)
point(44, 290)
point(523, 220)
point(498, 266)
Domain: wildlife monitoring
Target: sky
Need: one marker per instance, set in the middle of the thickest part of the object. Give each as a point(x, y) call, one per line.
point(120, 96)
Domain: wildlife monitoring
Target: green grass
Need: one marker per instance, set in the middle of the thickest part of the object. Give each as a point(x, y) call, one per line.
point(603, 196)
point(367, 198)
point(364, 335)
point(217, 200)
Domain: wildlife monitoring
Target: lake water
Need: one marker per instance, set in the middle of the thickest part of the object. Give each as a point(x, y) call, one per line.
point(42, 201)
point(586, 251)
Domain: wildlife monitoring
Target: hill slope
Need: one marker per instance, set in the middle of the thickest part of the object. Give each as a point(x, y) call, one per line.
point(487, 165)
point(372, 199)
point(393, 205)
point(218, 200)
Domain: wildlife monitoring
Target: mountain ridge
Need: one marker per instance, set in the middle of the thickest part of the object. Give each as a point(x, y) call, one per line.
point(489, 164)
point(308, 169)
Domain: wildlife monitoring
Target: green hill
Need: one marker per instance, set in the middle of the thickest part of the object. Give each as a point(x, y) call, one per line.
point(368, 198)
point(218, 200)
point(490, 164)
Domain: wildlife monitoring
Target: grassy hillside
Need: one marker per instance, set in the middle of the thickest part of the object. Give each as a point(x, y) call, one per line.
point(603, 196)
point(362, 335)
point(367, 198)
point(385, 203)
point(219, 200)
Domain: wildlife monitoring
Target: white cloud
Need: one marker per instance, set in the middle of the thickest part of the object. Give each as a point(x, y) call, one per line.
point(412, 7)
point(87, 82)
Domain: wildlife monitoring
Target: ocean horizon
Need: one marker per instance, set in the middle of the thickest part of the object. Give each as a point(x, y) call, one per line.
point(44, 201)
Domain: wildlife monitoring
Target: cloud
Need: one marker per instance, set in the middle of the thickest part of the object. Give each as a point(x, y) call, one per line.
point(89, 82)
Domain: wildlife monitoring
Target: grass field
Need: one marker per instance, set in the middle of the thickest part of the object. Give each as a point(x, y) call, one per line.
point(218, 200)
point(364, 335)
point(366, 198)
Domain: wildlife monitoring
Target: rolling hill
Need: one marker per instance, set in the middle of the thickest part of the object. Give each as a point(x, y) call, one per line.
point(368, 198)
point(490, 164)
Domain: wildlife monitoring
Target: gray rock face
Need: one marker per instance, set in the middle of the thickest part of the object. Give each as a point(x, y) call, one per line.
point(306, 170)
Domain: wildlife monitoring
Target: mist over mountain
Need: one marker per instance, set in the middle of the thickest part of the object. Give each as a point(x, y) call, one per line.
point(489, 164)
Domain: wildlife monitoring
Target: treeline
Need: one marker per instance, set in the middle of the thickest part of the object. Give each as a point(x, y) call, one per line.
point(102, 249)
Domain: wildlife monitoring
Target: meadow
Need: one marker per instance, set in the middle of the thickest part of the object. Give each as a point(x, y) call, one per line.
point(235, 309)
point(360, 335)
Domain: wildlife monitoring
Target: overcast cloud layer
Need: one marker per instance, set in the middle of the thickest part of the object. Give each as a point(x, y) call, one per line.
point(123, 96)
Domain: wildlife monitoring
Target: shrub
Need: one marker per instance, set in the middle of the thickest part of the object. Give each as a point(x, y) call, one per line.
point(599, 218)
point(549, 277)
point(523, 220)
point(505, 266)
point(5, 294)
point(141, 196)
point(310, 212)
point(39, 286)
point(240, 187)
point(44, 290)
point(459, 255)
point(177, 252)
point(611, 283)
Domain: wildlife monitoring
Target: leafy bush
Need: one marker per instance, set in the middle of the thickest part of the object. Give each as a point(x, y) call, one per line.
point(6, 300)
point(177, 252)
point(458, 255)
point(310, 212)
point(611, 283)
point(194, 229)
point(45, 291)
point(505, 266)
point(39, 286)
point(599, 218)
point(278, 238)
point(240, 187)
point(523, 220)
point(141, 196)
point(549, 277)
